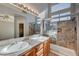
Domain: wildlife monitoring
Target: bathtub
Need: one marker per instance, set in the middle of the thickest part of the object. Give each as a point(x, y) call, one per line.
point(62, 51)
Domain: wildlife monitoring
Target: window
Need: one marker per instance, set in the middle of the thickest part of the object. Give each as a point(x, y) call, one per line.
point(58, 16)
point(55, 20)
point(62, 16)
point(66, 13)
point(65, 18)
point(60, 6)
point(55, 16)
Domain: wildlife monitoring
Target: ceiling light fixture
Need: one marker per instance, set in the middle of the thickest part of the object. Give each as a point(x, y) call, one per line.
point(26, 8)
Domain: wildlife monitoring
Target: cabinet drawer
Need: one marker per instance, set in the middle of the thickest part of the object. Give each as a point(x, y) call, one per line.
point(39, 52)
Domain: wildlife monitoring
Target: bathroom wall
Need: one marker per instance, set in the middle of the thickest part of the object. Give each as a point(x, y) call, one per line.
point(66, 35)
point(28, 19)
point(6, 26)
point(78, 35)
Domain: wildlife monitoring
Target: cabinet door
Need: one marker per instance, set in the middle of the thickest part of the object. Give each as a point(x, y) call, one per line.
point(39, 47)
point(46, 47)
point(40, 53)
point(31, 53)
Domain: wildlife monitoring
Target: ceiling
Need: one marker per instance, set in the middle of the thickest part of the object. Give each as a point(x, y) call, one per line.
point(6, 8)
point(38, 7)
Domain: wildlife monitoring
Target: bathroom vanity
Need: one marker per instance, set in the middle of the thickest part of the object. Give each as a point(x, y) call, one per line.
point(41, 49)
point(36, 46)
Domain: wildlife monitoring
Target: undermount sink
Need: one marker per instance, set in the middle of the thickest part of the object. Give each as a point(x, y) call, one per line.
point(14, 47)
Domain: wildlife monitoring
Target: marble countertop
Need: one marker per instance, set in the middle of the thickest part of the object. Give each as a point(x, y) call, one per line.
point(32, 42)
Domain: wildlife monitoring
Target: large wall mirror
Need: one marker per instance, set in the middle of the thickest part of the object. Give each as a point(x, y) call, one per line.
point(6, 26)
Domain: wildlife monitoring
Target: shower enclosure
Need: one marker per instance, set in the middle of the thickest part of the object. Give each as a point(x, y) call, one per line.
point(63, 32)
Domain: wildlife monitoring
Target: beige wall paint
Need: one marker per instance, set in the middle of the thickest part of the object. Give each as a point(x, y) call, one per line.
point(78, 35)
point(7, 28)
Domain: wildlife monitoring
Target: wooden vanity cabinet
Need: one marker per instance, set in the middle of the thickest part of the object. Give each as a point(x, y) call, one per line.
point(42, 49)
point(39, 49)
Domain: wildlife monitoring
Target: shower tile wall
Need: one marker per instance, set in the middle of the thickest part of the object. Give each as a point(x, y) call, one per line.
point(66, 34)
